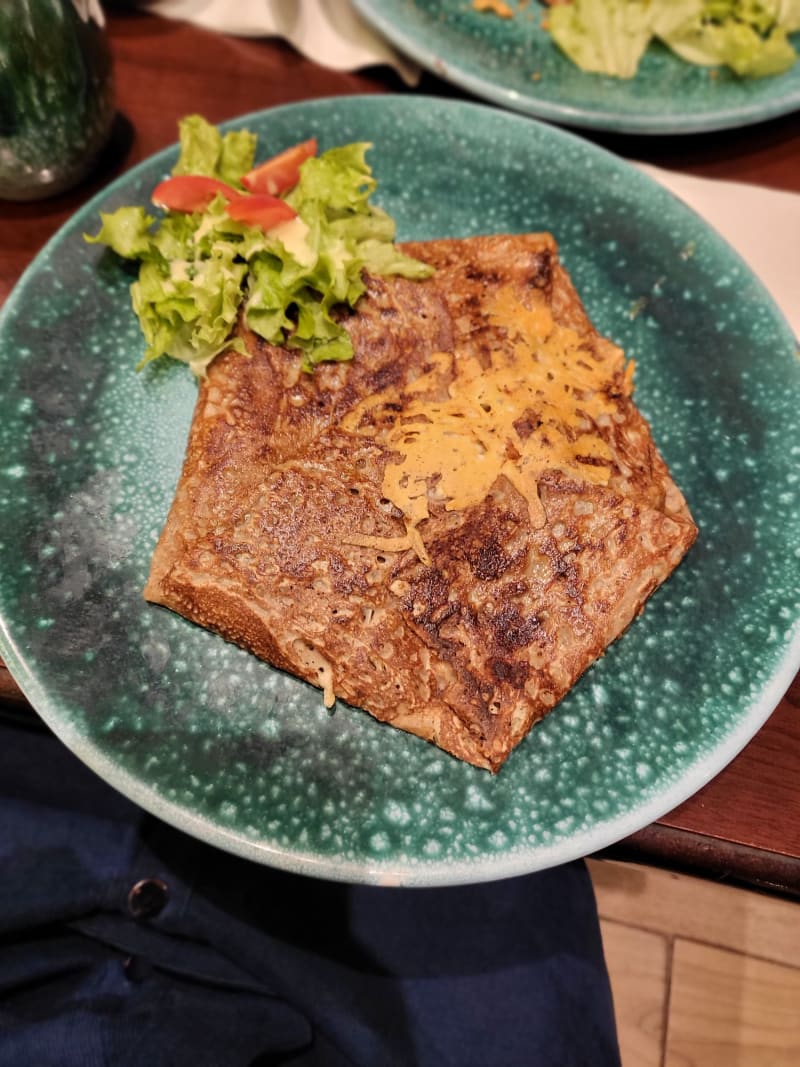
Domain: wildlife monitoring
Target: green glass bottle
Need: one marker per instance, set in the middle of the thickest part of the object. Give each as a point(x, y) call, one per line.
point(56, 94)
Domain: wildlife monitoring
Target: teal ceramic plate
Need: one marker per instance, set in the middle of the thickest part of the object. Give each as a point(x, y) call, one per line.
point(514, 63)
point(219, 744)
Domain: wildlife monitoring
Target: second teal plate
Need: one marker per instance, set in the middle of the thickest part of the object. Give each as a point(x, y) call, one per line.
point(515, 63)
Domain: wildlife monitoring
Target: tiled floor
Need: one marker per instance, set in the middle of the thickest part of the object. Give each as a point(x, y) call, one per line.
point(704, 975)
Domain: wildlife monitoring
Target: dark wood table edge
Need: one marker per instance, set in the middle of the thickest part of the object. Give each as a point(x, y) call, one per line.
point(710, 858)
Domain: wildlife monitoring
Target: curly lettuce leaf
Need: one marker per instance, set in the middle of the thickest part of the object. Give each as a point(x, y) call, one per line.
point(189, 314)
point(603, 36)
point(126, 231)
point(206, 151)
point(340, 178)
point(610, 36)
point(740, 45)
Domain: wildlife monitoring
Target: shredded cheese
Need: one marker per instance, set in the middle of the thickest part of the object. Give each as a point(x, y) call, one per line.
point(535, 408)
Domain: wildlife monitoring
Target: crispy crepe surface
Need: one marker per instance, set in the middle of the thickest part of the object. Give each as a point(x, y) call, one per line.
point(446, 531)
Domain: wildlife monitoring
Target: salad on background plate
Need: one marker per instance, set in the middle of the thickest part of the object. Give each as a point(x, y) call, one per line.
point(624, 66)
point(751, 37)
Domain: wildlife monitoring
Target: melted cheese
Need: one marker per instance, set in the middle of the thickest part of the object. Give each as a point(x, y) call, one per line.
point(533, 409)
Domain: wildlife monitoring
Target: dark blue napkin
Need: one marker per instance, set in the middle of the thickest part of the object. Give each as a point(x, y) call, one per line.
point(124, 941)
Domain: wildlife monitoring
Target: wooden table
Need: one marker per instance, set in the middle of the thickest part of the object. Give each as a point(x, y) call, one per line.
point(745, 824)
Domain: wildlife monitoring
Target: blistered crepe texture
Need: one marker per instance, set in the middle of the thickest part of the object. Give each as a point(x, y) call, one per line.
point(468, 625)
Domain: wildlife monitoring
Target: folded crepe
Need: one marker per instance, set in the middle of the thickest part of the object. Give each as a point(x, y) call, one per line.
point(446, 531)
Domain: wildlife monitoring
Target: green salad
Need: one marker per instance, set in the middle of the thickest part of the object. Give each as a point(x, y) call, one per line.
point(751, 37)
point(283, 243)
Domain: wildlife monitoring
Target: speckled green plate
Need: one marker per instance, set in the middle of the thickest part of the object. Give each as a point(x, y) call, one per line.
point(215, 741)
point(515, 63)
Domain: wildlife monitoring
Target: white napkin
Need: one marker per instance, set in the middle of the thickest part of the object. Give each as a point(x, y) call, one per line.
point(330, 32)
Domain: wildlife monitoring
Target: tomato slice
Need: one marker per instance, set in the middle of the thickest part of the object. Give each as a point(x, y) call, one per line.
point(260, 210)
point(190, 192)
point(282, 172)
